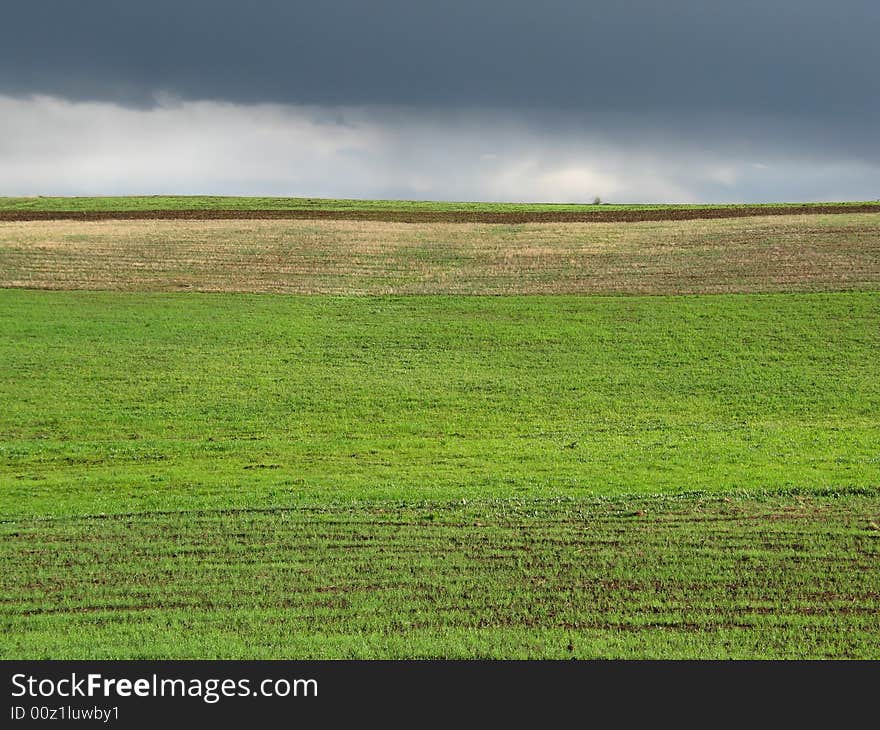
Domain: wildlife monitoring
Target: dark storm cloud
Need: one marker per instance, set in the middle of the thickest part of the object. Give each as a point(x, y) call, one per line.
point(651, 100)
point(767, 56)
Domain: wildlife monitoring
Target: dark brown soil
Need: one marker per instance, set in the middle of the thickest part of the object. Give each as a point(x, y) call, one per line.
point(427, 216)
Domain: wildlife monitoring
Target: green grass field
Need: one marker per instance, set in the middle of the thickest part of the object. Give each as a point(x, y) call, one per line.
point(219, 202)
point(125, 402)
point(518, 578)
point(236, 474)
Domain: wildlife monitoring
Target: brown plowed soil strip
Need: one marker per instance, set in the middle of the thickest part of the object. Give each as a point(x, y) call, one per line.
point(428, 216)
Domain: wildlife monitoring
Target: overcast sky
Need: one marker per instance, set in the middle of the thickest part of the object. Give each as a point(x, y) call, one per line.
point(631, 100)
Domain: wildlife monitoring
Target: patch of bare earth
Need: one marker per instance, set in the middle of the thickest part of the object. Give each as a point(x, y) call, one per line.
point(758, 254)
point(409, 215)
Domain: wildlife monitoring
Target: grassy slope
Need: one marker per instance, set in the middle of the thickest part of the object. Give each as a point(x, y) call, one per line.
point(424, 476)
point(746, 577)
point(213, 202)
point(122, 402)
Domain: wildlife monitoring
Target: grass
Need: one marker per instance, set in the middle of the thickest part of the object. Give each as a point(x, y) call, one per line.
point(125, 402)
point(213, 202)
point(199, 457)
point(623, 577)
point(783, 253)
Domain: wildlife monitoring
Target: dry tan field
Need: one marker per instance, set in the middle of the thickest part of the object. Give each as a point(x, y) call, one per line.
point(759, 254)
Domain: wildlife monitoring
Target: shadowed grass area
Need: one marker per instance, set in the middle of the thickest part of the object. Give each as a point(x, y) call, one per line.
point(655, 577)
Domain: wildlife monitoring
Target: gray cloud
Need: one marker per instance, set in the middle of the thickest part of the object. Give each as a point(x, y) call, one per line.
point(505, 99)
point(55, 146)
point(788, 56)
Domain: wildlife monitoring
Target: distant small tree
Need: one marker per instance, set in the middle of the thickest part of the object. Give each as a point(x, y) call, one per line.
point(597, 200)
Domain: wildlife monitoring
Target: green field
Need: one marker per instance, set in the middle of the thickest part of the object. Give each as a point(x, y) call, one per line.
point(219, 202)
point(242, 474)
point(125, 402)
point(622, 577)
